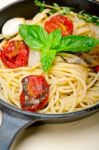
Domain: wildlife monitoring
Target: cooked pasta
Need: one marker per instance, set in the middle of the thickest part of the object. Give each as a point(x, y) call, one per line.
point(73, 83)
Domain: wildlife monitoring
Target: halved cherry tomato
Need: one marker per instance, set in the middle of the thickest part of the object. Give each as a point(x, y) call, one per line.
point(59, 22)
point(96, 68)
point(35, 93)
point(0, 53)
point(15, 54)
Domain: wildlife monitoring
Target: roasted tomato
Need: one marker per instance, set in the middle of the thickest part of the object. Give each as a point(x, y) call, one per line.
point(35, 93)
point(59, 22)
point(96, 68)
point(15, 54)
point(0, 53)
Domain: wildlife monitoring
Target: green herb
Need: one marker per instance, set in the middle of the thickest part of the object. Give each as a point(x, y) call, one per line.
point(88, 18)
point(40, 4)
point(73, 43)
point(33, 35)
point(47, 58)
point(54, 8)
point(50, 44)
point(53, 39)
point(66, 10)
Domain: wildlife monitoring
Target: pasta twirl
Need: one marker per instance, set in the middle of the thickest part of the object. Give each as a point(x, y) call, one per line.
point(74, 85)
point(69, 86)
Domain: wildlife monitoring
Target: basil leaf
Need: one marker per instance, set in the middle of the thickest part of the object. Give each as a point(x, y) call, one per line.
point(56, 34)
point(47, 58)
point(38, 39)
point(33, 35)
point(75, 43)
point(53, 39)
point(39, 33)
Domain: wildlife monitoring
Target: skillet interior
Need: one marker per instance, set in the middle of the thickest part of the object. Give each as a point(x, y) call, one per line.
point(26, 8)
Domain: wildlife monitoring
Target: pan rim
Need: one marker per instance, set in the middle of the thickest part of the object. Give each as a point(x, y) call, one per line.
point(48, 116)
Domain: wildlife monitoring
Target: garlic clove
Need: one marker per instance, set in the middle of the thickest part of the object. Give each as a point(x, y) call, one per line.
point(11, 27)
point(34, 58)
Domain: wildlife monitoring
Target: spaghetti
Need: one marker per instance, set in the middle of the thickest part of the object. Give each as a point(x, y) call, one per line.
point(73, 85)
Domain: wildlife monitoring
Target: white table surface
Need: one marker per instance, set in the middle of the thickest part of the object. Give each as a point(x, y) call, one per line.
point(79, 135)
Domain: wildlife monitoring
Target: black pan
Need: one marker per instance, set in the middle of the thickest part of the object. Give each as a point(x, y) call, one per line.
point(15, 120)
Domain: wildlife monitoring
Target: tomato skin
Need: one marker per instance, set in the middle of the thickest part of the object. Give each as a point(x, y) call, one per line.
point(35, 93)
point(15, 54)
point(0, 53)
point(96, 68)
point(59, 22)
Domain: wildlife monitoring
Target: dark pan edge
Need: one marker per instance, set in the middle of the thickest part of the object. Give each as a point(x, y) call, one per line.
point(41, 115)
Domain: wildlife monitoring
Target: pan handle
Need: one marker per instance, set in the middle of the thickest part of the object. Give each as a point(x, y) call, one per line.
point(10, 127)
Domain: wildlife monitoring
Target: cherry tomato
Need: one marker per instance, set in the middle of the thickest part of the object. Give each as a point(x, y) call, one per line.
point(59, 22)
point(0, 53)
point(97, 68)
point(15, 54)
point(35, 93)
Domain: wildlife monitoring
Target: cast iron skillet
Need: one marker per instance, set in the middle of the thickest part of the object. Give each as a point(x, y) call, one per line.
point(15, 120)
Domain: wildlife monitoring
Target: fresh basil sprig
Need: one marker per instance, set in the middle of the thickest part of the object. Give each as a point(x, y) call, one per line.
point(37, 38)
